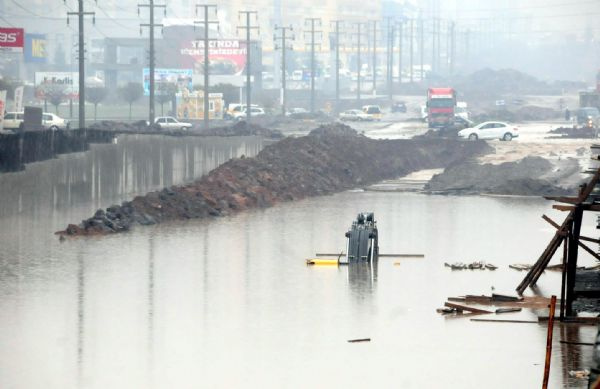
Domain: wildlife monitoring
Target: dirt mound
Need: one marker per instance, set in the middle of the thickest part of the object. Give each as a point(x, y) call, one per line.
point(529, 112)
point(501, 82)
point(111, 125)
point(337, 129)
point(331, 160)
point(531, 176)
point(242, 129)
point(575, 133)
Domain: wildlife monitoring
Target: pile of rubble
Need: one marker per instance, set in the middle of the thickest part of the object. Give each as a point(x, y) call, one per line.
point(332, 158)
point(530, 176)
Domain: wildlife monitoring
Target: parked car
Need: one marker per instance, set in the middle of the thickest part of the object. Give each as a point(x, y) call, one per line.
point(373, 110)
point(460, 123)
point(254, 111)
point(234, 108)
point(170, 123)
point(50, 121)
point(53, 122)
point(13, 120)
point(355, 115)
point(399, 106)
point(490, 130)
point(295, 111)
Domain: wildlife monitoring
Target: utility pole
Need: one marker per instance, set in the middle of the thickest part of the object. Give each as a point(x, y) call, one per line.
point(421, 47)
point(389, 55)
point(358, 34)
point(248, 27)
point(81, 59)
point(152, 58)
point(400, 48)
point(433, 58)
point(452, 47)
point(283, 46)
point(374, 56)
point(313, 22)
point(412, 38)
point(206, 24)
point(337, 23)
point(467, 46)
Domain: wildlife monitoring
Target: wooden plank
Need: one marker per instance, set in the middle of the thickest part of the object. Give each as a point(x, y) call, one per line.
point(589, 239)
point(359, 340)
point(459, 307)
point(563, 199)
point(505, 321)
point(561, 207)
point(552, 222)
point(577, 343)
point(549, 342)
point(589, 250)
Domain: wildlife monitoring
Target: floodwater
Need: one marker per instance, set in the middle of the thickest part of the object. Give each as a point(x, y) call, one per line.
point(229, 303)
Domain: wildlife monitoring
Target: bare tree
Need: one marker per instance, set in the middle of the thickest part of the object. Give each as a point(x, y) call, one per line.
point(166, 92)
point(131, 93)
point(95, 95)
point(55, 94)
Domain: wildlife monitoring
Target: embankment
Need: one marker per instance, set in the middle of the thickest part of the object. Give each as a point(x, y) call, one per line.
point(329, 160)
point(18, 149)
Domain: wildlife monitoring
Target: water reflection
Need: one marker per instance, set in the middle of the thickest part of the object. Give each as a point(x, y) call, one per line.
point(362, 278)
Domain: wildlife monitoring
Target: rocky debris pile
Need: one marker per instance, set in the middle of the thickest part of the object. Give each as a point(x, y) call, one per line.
point(111, 125)
point(242, 129)
point(530, 176)
point(575, 133)
point(333, 159)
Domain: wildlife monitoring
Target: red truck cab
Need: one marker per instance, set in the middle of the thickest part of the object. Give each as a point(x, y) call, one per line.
point(441, 103)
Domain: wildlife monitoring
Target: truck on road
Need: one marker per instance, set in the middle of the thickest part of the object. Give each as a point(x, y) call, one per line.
point(441, 105)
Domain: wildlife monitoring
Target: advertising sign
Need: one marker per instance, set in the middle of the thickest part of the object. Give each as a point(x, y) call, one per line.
point(35, 48)
point(11, 40)
point(18, 102)
point(67, 81)
point(181, 77)
point(226, 56)
point(2, 108)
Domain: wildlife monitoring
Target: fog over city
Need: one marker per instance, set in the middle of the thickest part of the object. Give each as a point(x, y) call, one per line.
point(299, 194)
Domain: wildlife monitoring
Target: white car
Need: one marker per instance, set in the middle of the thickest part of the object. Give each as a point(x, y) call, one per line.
point(355, 115)
point(170, 123)
point(254, 111)
point(50, 121)
point(490, 130)
point(296, 111)
point(53, 122)
point(13, 120)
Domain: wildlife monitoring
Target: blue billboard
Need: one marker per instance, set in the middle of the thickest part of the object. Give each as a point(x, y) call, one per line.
point(180, 77)
point(35, 48)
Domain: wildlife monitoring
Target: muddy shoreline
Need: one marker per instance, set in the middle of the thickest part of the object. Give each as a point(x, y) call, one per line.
point(331, 159)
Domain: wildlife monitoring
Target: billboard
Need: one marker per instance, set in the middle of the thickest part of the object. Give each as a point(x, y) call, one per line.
point(226, 56)
point(68, 81)
point(181, 77)
point(35, 48)
point(2, 108)
point(18, 100)
point(11, 40)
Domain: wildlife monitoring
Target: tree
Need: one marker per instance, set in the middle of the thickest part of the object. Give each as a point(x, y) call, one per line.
point(55, 94)
point(131, 92)
point(95, 95)
point(230, 92)
point(165, 93)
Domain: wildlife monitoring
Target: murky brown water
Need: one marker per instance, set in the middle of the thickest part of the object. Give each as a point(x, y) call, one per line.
point(229, 302)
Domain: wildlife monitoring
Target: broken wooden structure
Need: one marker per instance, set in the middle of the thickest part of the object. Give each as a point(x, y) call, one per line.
point(568, 235)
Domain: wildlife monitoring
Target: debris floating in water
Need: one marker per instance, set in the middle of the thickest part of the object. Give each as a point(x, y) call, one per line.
point(477, 265)
point(359, 340)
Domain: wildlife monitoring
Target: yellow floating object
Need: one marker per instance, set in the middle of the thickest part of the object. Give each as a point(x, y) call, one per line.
point(322, 261)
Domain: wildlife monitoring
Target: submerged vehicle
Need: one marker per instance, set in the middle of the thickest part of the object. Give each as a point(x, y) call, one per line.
point(363, 243)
